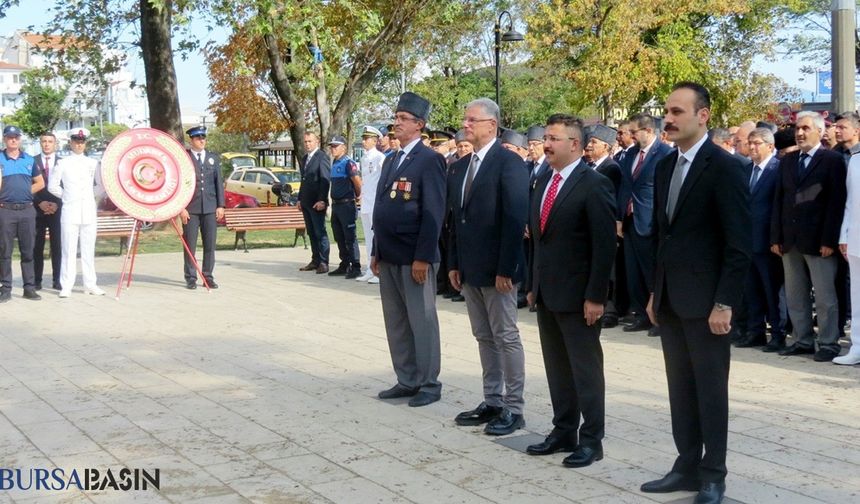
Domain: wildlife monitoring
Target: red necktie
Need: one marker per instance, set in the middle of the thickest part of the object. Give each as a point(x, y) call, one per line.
point(47, 164)
point(636, 171)
point(549, 200)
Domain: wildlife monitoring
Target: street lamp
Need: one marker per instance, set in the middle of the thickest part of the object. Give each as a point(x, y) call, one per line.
point(510, 35)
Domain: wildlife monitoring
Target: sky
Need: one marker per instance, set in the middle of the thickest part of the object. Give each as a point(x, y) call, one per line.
point(193, 80)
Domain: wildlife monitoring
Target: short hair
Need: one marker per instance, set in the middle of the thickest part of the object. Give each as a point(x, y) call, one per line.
point(48, 133)
point(817, 120)
point(489, 107)
point(568, 121)
point(720, 135)
point(703, 97)
point(644, 121)
point(851, 117)
point(765, 134)
point(312, 134)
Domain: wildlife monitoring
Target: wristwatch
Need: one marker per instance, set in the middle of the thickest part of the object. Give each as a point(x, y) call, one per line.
point(722, 307)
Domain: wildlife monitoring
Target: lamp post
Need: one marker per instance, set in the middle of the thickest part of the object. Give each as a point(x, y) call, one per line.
point(510, 35)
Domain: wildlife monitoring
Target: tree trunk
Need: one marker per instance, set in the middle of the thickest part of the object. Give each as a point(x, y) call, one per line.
point(287, 95)
point(323, 110)
point(161, 93)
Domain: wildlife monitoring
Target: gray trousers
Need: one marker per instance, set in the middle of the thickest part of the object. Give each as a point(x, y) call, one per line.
point(822, 271)
point(412, 326)
point(493, 317)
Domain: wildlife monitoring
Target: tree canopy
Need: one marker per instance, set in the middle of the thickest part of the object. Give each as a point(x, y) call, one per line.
point(42, 107)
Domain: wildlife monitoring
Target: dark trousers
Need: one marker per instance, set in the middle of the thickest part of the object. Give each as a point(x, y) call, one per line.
point(206, 225)
point(573, 359)
point(761, 295)
point(50, 223)
point(20, 224)
point(843, 291)
point(697, 370)
point(638, 262)
point(315, 225)
point(343, 227)
point(619, 295)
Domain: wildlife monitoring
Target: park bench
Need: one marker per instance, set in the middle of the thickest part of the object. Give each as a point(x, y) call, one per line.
point(110, 224)
point(243, 219)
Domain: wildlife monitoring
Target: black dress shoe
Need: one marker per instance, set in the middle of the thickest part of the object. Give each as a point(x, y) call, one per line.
point(480, 415)
point(449, 294)
point(639, 325)
point(57, 286)
point(654, 331)
point(341, 270)
point(32, 295)
point(423, 399)
point(774, 345)
point(505, 423)
point(353, 273)
point(825, 355)
point(796, 349)
point(583, 456)
point(550, 445)
point(672, 482)
point(522, 302)
point(458, 298)
point(710, 493)
point(751, 340)
point(627, 319)
point(212, 284)
point(5, 296)
point(608, 321)
point(397, 391)
point(190, 285)
point(311, 266)
point(38, 286)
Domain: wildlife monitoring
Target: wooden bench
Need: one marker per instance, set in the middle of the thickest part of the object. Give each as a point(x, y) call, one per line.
point(110, 224)
point(241, 220)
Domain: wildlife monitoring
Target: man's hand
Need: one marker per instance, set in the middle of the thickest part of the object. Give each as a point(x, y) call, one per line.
point(530, 299)
point(843, 248)
point(720, 321)
point(183, 216)
point(219, 213)
point(319, 206)
point(618, 230)
point(526, 233)
point(593, 312)
point(650, 310)
point(454, 277)
point(419, 271)
point(826, 251)
point(45, 207)
point(374, 265)
point(504, 284)
point(776, 249)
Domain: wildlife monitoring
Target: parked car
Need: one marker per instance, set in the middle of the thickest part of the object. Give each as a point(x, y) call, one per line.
point(232, 161)
point(258, 182)
point(236, 200)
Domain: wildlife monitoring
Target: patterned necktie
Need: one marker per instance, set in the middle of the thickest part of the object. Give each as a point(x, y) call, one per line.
point(639, 164)
point(675, 187)
point(755, 176)
point(47, 165)
point(549, 200)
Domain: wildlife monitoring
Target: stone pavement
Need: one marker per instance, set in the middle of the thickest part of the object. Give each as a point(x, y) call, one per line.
point(265, 391)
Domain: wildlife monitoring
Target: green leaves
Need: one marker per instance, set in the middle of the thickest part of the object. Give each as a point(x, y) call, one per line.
point(43, 104)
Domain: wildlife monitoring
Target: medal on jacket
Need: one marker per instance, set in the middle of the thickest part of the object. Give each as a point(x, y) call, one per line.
point(393, 194)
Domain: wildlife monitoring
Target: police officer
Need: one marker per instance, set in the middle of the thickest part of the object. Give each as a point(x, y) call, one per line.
point(20, 179)
point(204, 210)
point(73, 180)
point(345, 188)
point(407, 220)
point(371, 167)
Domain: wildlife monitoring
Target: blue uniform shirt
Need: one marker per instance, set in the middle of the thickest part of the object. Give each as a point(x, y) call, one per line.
point(18, 177)
point(342, 171)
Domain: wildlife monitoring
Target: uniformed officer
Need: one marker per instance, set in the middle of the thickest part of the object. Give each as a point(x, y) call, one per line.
point(371, 167)
point(439, 142)
point(19, 179)
point(345, 188)
point(407, 220)
point(204, 210)
point(74, 180)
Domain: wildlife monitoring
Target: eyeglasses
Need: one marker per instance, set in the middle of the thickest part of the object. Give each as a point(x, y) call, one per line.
point(550, 138)
point(472, 120)
point(403, 118)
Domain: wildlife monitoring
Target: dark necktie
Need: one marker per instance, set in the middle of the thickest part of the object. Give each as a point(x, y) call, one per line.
point(591, 164)
point(470, 176)
point(675, 184)
point(200, 159)
point(803, 165)
point(47, 166)
point(755, 176)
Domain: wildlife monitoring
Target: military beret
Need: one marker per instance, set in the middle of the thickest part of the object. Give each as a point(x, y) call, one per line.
point(413, 104)
point(601, 132)
point(513, 137)
point(535, 133)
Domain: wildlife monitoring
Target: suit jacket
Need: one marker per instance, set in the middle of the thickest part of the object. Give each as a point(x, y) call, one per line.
point(610, 169)
point(703, 254)
point(44, 194)
point(641, 189)
point(534, 176)
point(807, 211)
point(571, 260)
point(410, 206)
point(487, 229)
point(316, 179)
point(209, 193)
point(761, 206)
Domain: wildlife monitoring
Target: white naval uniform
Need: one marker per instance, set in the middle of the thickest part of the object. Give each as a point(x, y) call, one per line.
point(77, 174)
point(371, 168)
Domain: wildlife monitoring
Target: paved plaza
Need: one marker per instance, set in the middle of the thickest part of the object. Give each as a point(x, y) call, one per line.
point(265, 391)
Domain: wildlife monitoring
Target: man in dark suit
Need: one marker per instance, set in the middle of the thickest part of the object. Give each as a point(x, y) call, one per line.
point(572, 250)
point(204, 210)
point(488, 193)
point(636, 213)
point(761, 289)
point(537, 159)
point(407, 220)
point(48, 210)
point(625, 140)
point(702, 231)
point(313, 200)
point(805, 227)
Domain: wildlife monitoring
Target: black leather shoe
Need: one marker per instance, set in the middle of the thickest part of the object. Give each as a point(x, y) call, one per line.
point(32, 295)
point(550, 445)
point(38, 286)
point(341, 270)
point(505, 423)
point(583, 456)
point(672, 482)
point(825, 355)
point(449, 294)
point(627, 319)
point(522, 302)
point(353, 273)
point(480, 415)
point(608, 321)
point(796, 349)
point(751, 340)
point(458, 298)
point(710, 493)
point(212, 284)
point(396, 392)
point(190, 285)
point(5, 296)
point(311, 266)
point(57, 286)
point(654, 331)
point(639, 325)
point(423, 399)
point(774, 345)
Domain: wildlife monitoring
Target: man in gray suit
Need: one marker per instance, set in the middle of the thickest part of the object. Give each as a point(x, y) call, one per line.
point(204, 210)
